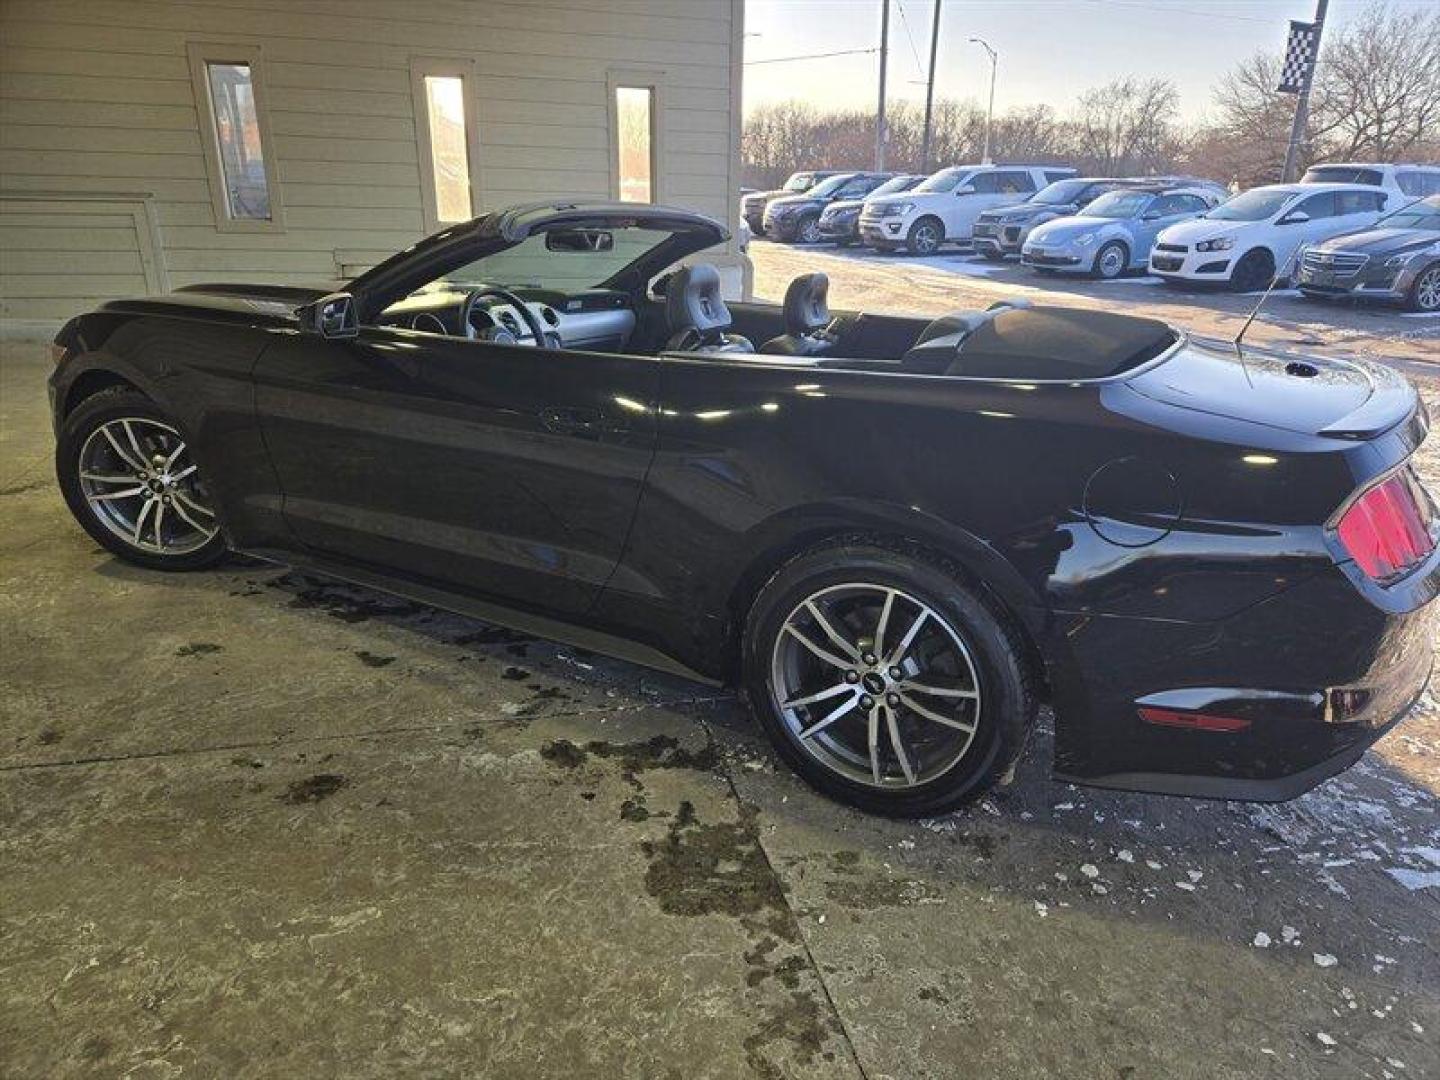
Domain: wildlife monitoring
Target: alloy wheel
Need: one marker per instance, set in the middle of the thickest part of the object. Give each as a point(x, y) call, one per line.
point(810, 230)
point(875, 685)
point(1427, 290)
point(1110, 263)
point(138, 478)
point(925, 239)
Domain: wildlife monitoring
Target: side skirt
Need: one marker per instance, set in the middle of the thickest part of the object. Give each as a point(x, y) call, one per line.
point(541, 626)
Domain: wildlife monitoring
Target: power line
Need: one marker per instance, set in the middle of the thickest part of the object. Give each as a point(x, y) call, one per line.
point(904, 22)
point(810, 56)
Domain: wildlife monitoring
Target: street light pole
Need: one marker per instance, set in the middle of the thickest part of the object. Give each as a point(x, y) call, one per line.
point(989, 112)
point(880, 111)
point(930, 91)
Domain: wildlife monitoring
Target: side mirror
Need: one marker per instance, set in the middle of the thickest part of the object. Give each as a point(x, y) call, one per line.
point(580, 240)
point(332, 316)
point(1295, 217)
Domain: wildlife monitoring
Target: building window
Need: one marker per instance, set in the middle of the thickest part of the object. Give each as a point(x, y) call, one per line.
point(231, 102)
point(635, 143)
point(447, 138)
point(635, 109)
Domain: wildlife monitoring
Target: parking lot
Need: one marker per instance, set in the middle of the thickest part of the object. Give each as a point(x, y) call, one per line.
point(257, 823)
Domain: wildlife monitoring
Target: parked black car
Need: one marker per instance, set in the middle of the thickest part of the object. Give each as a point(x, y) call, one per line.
point(840, 221)
point(897, 534)
point(1396, 259)
point(797, 217)
point(752, 206)
point(1002, 231)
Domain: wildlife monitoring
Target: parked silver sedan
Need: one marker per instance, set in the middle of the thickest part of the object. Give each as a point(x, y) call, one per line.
point(1114, 233)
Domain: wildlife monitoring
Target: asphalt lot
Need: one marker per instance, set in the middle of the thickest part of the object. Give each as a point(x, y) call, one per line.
point(256, 824)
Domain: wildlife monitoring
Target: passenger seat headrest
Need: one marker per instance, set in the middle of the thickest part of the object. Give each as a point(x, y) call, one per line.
point(805, 309)
point(693, 301)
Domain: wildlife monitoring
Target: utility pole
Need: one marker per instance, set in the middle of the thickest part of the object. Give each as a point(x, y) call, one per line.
point(930, 90)
point(880, 112)
point(1302, 102)
point(989, 112)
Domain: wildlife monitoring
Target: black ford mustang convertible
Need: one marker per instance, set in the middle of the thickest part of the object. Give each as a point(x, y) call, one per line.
point(898, 535)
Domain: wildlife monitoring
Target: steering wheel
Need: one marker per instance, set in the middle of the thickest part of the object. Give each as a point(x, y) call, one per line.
point(503, 336)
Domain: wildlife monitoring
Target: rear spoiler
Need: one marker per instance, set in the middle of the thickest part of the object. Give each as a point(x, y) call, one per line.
point(1392, 401)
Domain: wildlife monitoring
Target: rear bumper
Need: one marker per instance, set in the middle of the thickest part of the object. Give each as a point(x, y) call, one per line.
point(1316, 674)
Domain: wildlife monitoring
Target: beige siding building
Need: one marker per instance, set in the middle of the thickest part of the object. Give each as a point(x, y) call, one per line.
point(146, 145)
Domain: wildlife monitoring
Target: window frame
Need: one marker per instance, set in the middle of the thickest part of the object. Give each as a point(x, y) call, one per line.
point(631, 78)
point(201, 55)
point(444, 67)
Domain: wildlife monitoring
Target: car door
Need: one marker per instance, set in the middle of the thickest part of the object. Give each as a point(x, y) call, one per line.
point(494, 470)
point(1000, 187)
point(1289, 233)
point(1165, 211)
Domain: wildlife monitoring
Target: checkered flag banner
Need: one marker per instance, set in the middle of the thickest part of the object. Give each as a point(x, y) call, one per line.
point(1299, 57)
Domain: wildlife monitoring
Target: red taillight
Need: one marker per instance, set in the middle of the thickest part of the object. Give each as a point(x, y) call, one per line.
point(1387, 530)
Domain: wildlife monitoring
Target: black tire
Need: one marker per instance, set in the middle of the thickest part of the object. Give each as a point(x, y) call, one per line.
point(85, 420)
point(1005, 710)
point(1424, 294)
point(1111, 261)
point(1254, 271)
point(925, 236)
point(807, 229)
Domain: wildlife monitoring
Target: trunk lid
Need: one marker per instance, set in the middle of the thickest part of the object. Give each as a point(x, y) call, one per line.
point(1343, 399)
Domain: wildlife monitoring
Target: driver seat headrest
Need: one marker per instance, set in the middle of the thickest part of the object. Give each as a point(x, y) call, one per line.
point(696, 313)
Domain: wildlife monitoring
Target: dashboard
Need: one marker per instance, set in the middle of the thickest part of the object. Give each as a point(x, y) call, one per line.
point(597, 320)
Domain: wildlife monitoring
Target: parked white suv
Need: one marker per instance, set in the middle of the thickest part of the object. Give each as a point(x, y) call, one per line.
point(1246, 241)
point(1408, 181)
point(943, 207)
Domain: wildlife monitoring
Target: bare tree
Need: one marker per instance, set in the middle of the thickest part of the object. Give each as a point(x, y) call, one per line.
point(1128, 125)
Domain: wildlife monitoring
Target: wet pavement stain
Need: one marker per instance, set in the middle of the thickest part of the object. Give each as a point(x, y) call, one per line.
point(802, 1023)
point(314, 789)
point(515, 674)
point(659, 752)
point(369, 659)
point(634, 809)
point(199, 648)
point(49, 736)
point(346, 603)
point(718, 869)
point(491, 635)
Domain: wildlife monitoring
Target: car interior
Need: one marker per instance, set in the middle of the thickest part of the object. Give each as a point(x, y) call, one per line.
point(682, 313)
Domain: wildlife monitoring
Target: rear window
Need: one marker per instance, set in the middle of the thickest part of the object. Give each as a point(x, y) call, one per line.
point(1342, 174)
point(1419, 182)
point(1060, 343)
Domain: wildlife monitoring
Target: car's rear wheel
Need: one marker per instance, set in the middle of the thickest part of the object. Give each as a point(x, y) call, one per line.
point(884, 681)
point(1111, 260)
point(1253, 272)
point(925, 236)
point(807, 229)
point(130, 479)
point(1425, 293)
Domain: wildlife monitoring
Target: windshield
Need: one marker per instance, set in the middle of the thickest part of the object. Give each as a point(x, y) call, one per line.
point(1422, 215)
point(1119, 204)
point(830, 186)
point(944, 180)
point(800, 181)
point(1061, 192)
point(1254, 205)
point(532, 264)
point(896, 184)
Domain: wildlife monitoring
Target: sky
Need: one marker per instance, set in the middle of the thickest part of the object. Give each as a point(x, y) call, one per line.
point(1050, 50)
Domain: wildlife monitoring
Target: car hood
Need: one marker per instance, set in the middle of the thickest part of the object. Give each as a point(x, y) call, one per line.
point(902, 197)
point(1381, 241)
point(1197, 229)
point(841, 206)
point(1026, 211)
point(782, 203)
point(1064, 230)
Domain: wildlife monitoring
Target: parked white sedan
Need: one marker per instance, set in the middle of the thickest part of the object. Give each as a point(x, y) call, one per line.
point(1247, 241)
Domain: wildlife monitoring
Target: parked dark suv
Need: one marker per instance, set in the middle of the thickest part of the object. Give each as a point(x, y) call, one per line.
point(752, 206)
point(840, 221)
point(797, 217)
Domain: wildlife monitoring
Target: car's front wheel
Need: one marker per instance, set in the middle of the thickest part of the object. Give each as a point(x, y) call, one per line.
point(925, 236)
point(807, 229)
point(885, 681)
point(1111, 260)
point(131, 480)
point(1253, 272)
point(1425, 293)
